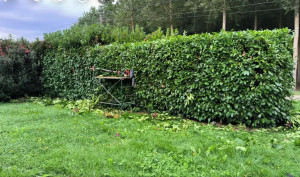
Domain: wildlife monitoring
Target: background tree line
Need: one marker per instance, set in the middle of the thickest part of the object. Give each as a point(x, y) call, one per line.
point(193, 16)
point(198, 16)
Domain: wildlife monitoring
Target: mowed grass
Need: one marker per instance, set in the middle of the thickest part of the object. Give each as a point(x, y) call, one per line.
point(46, 141)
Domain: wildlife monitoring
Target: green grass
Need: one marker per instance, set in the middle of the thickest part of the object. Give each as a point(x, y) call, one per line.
point(297, 106)
point(46, 141)
point(296, 92)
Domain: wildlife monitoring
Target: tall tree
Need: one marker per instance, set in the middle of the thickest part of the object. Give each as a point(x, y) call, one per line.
point(222, 7)
point(128, 13)
point(293, 5)
point(224, 15)
point(90, 17)
point(97, 15)
point(296, 41)
point(194, 10)
point(106, 10)
point(171, 15)
point(163, 14)
point(195, 16)
point(255, 16)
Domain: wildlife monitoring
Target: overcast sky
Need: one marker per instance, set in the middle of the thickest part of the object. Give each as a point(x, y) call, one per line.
point(33, 18)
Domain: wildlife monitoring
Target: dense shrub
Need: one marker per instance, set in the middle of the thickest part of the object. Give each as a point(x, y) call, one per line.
point(234, 77)
point(88, 35)
point(19, 73)
point(78, 36)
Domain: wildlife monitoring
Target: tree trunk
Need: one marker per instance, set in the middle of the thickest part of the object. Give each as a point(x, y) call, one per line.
point(171, 17)
point(207, 24)
point(194, 27)
point(207, 27)
point(255, 18)
point(224, 15)
point(280, 19)
point(132, 22)
point(296, 39)
point(131, 16)
point(224, 19)
point(100, 18)
point(298, 66)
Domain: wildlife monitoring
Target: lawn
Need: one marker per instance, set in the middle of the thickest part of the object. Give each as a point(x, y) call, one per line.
point(47, 141)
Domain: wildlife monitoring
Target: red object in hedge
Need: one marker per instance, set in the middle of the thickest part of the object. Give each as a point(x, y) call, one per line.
point(127, 73)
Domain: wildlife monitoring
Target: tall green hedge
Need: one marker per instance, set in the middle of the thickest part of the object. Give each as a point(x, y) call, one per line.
point(234, 77)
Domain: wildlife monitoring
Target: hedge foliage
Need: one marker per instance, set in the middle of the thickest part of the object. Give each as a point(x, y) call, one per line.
point(234, 77)
point(19, 70)
point(87, 35)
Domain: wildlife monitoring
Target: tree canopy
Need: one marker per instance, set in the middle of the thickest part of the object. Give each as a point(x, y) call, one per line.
point(193, 16)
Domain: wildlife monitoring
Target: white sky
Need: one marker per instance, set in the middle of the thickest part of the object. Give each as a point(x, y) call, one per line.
point(32, 18)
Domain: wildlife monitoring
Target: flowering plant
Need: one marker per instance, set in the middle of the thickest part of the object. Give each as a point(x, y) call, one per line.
point(19, 69)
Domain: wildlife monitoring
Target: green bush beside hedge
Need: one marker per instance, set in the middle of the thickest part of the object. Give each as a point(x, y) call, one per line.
point(234, 77)
point(19, 70)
